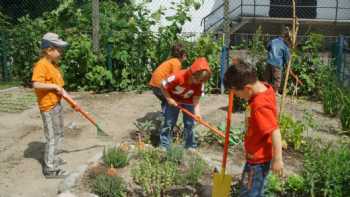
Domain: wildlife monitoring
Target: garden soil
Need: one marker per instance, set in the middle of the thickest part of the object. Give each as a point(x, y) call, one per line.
point(22, 140)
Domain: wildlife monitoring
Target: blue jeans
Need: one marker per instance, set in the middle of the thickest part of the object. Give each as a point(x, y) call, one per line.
point(253, 179)
point(171, 114)
point(158, 93)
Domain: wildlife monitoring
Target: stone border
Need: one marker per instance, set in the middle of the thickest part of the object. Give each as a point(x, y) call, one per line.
point(66, 186)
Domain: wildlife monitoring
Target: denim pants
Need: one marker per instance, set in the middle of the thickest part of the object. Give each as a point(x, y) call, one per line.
point(253, 179)
point(158, 93)
point(171, 114)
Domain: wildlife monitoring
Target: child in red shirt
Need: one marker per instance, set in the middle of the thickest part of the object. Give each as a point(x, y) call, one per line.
point(183, 88)
point(262, 140)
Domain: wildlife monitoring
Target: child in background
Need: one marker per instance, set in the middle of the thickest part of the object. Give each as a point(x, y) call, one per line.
point(262, 140)
point(183, 88)
point(48, 85)
point(165, 69)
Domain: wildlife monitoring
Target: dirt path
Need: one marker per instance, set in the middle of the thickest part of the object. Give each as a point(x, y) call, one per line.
point(22, 141)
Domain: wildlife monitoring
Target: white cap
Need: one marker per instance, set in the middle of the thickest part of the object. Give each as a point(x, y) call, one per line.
point(52, 40)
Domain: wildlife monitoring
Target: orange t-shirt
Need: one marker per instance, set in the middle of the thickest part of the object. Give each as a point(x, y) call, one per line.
point(261, 123)
point(164, 70)
point(45, 72)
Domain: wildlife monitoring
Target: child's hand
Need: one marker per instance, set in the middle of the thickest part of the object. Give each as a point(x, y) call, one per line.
point(77, 107)
point(172, 102)
point(59, 90)
point(277, 166)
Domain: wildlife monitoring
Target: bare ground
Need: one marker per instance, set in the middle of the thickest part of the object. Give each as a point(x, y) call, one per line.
point(22, 141)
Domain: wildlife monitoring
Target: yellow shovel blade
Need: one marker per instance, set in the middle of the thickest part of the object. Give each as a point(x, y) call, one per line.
point(221, 185)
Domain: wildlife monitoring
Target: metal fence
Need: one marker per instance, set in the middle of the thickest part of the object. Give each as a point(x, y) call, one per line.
point(342, 60)
point(331, 10)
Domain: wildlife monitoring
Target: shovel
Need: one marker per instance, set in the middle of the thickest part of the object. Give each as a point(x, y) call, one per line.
point(73, 104)
point(221, 181)
point(201, 121)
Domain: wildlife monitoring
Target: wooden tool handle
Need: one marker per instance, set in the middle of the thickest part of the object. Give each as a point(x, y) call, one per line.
point(73, 103)
point(227, 134)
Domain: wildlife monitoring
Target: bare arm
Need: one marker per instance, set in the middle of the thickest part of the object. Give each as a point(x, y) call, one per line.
point(196, 105)
point(295, 77)
point(167, 96)
point(48, 86)
point(277, 161)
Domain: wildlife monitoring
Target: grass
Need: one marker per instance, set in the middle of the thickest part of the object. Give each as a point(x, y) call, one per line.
point(16, 101)
point(5, 85)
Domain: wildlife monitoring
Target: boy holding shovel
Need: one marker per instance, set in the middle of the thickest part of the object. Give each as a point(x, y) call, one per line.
point(262, 140)
point(48, 85)
point(183, 88)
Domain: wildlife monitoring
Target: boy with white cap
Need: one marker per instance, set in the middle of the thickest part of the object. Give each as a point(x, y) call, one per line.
point(48, 85)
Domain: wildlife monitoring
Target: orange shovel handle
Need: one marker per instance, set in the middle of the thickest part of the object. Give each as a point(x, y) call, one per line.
point(228, 126)
point(202, 122)
point(82, 112)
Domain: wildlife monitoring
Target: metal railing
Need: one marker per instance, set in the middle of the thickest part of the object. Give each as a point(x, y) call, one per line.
point(333, 10)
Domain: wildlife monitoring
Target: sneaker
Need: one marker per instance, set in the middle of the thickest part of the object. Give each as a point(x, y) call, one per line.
point(55, 174)
point(192, 150)
point(59, 161)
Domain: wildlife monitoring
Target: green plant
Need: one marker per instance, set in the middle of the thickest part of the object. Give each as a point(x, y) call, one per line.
point(274, 185)
point(196, 168)
point(116, 157)
point(292, 130)
point(295, 184)
point(153, 174)
point(345, 113)
point(332, 99)
point(107, 186)
point(175, 154)
point(326, 169)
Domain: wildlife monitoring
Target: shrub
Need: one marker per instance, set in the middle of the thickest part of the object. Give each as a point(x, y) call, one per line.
point(345, 113)
point(273, 185)
point(107, 186)
point(197, 168)
point(332, 99)
point(295, 184)
point(175, 154)
point(116, 157)
point(326, 170)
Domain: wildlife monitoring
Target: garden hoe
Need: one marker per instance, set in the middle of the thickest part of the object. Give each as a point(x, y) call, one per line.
point(201, 121)
point(221, 181)
point(73, 104)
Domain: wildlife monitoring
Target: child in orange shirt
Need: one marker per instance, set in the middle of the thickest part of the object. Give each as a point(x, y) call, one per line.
point(262, 140)
point(165, 69)
point(183, 88)
point(48, 85)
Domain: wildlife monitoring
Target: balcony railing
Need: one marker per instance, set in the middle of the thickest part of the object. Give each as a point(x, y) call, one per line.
point(332, 10)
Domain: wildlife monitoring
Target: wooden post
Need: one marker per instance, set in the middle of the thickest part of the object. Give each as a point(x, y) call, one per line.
point(95, 25)
point(294, 38)
point(226, 38)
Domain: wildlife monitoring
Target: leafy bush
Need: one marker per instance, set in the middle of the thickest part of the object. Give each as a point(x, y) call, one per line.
point(326, 170)
point(292, 130)
point(153, 174)
point(273, 185)
point(295, 184)
point(175, 154)
point(108, 186)
point(332, 99)
point(345, 113)
point(158, 171)
point(116, 157)
point(197, 168)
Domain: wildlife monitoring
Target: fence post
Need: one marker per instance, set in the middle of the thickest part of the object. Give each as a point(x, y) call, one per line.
point(95, 25)
point(336, 11)
point(254, 7)
point(226, 42)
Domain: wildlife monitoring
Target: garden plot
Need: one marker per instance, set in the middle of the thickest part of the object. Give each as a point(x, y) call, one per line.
point(16, 100)
point(119, 113)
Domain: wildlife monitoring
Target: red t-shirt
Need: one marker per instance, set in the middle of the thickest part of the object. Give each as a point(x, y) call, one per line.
point(261, 123)
point(179, 88)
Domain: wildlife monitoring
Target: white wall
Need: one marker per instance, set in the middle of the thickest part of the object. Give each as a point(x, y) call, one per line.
point(329, 13)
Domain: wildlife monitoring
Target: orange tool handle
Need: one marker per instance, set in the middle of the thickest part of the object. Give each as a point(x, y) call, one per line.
point(74, 103)
point(202, 122)
point(228, 126)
